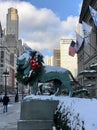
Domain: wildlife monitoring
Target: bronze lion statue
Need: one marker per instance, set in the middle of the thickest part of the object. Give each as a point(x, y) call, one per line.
point(31, 70)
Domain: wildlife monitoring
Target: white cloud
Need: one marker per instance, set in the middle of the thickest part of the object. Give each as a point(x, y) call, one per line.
point(41, 28)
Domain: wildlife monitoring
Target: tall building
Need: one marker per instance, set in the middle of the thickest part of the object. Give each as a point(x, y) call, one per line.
point(49, 60)
point(13, 43)
point(11, 47)
point(56, 57)
point(4, 60)
point(67, 61)
point(12, 22)
point(12, 31)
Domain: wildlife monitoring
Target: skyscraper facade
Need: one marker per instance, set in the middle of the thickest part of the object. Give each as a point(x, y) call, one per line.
point(12, 22)
point(67, 61)
point(56, 59)
point(11, 47)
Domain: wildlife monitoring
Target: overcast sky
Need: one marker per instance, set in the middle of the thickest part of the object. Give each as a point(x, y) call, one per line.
point(42, 23)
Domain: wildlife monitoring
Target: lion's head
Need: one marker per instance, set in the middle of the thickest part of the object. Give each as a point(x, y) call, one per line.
point(29, 64)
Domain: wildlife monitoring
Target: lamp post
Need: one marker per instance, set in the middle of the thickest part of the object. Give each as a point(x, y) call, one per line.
point(17, 96)
point(22, 91)
point(6, 74)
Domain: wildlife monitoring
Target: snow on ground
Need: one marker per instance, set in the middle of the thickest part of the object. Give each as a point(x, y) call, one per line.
point(86, 108)
point(8, 120)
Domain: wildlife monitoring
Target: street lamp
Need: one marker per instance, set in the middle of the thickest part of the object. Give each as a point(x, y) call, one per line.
point(17, 96)
point(6, 74)
point(22, 91)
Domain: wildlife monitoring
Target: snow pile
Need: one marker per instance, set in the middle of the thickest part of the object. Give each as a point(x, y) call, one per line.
point(49, 68)
point(82, 110)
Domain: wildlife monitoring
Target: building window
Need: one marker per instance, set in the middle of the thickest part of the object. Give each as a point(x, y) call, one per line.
point(1, 65)
point(2, 60)
point(2, 54)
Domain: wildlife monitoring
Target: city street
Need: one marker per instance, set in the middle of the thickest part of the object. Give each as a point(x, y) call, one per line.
point(8, 121)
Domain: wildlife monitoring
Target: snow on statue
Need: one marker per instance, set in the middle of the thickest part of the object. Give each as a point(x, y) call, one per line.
point(30, 70)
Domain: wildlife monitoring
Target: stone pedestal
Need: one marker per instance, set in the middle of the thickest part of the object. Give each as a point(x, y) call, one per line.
point(37, 114)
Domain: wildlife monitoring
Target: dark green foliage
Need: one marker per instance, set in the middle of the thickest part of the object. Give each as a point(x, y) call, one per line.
point(62, 120)
point(57, 119)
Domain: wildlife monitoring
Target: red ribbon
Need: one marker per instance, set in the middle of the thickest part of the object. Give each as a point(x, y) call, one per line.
point(34, 63)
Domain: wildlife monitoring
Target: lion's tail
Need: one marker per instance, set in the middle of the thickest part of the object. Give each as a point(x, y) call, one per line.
point(74, 79)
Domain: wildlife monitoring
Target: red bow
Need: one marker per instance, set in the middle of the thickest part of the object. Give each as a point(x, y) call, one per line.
point(34, 63)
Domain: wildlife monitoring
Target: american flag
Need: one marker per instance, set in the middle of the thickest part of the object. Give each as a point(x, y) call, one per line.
point(72, 49)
